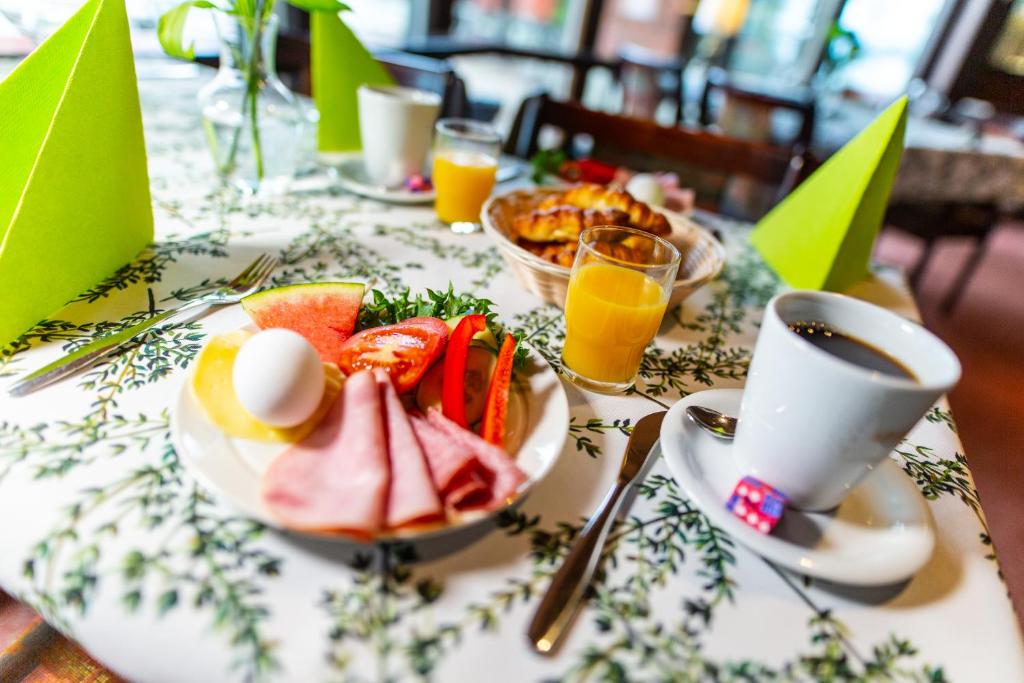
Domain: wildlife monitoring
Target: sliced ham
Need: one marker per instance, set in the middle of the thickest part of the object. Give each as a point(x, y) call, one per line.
point(412, 498)
point(496, 468)
point(337, 478)
point(470, 489)
point(453, 467)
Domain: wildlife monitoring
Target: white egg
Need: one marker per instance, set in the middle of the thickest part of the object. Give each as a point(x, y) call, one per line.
point(278, 377)
point(645, 188)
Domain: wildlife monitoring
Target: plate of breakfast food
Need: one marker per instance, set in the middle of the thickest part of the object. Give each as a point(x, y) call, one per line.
point(319, 413)
point(537, 231)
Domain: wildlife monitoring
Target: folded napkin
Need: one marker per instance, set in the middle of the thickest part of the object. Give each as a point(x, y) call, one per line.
point(340, 64)
point(821, 235)
point(74, 190)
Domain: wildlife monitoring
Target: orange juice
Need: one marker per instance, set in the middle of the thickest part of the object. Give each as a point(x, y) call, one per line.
point(462, 181)
point(611, 314)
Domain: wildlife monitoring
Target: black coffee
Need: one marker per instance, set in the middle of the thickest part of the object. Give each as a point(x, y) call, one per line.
point(850, 349)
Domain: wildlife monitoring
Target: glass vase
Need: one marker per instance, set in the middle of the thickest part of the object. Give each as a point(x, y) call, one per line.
point(253, 123)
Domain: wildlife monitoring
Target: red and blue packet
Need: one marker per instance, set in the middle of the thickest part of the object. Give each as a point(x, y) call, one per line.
point(757, 504)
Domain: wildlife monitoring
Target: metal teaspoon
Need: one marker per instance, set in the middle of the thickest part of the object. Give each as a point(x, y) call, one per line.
point(721, 425)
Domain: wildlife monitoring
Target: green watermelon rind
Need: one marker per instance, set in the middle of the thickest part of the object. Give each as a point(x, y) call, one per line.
point(287, 291)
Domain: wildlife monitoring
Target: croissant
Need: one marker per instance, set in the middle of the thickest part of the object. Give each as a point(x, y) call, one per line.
point(564, 253)
point(564, 223)
point(560, 253)
point(591, 196)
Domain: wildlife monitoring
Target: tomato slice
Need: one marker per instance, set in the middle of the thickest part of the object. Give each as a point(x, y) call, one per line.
point(404, 350)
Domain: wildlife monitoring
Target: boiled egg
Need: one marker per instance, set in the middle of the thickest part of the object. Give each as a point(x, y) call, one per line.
point(278, 377)
point(645, 188)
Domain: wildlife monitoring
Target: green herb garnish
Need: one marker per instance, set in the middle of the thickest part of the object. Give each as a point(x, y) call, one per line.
point(545, 163)
point(444, 304)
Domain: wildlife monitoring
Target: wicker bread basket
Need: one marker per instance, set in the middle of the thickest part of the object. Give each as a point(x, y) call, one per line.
point(703, 255)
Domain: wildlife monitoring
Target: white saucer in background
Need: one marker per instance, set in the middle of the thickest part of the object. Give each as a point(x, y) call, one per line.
point(351, 175)
point(350, 172)
point(881, 534)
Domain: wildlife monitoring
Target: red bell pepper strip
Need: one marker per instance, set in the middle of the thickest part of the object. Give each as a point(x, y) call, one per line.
point(453, 397)
point(492, 428)
point(588, 171)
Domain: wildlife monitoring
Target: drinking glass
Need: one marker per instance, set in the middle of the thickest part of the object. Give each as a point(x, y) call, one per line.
point(465, 164)
point(618, 290)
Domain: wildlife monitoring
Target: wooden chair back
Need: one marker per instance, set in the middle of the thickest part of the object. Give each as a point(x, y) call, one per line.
point(704, 161)
point(759, 102)
point(432, 75)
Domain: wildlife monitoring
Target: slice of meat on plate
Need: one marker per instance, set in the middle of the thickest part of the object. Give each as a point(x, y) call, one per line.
point(337, 478)
point(454, 468)
point(412, 498)
point(498, 470)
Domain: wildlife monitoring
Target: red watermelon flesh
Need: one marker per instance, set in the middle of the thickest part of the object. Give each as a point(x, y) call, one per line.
point(324, 313)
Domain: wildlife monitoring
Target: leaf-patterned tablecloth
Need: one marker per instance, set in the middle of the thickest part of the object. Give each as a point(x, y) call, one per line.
point(104, 531)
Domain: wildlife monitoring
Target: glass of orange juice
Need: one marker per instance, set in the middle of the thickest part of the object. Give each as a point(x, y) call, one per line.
point(465, 164)
point(618, 290)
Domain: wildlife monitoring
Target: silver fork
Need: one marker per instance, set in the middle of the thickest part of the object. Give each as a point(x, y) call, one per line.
point(245, 283)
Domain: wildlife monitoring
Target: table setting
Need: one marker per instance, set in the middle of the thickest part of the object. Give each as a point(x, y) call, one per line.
point(462, 424)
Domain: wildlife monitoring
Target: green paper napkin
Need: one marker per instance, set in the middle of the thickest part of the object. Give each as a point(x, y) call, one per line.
point(821, 236)
point(340, 64)
point(74, 189)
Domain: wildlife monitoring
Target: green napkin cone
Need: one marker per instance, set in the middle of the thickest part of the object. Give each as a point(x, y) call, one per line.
point(821, 235)
point(340, 64)
point(74, 189)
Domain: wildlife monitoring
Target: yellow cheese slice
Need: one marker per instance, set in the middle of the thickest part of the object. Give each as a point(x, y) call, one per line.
point(214, 391)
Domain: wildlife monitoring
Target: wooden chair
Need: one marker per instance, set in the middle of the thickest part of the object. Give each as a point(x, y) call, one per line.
point(433, 75)
point(931, 222)
point(644, 145)
point(648, 79)
point(759, 101)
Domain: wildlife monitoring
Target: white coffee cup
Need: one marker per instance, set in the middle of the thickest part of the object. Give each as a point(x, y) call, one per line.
point(395, 125)
point(813, 425)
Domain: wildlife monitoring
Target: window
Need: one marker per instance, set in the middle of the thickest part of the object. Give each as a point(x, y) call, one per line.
point(893, 37)
point(782, 40)
point(1008, 53)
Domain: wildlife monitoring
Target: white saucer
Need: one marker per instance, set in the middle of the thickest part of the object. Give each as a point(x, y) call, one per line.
point(351, 175)
point(881, 534)
point(350, 172)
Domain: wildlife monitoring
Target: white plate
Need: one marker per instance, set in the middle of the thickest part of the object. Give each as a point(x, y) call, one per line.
point(881, 534)
point(233, 468)
point(350, 172)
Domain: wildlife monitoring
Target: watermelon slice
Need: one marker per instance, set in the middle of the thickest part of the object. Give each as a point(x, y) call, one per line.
point(323, 312)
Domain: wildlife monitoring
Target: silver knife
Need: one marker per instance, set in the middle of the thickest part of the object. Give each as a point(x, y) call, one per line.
point(565, 594)
point(86, 356)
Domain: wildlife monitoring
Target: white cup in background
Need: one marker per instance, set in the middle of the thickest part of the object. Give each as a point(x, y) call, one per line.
point(814, 425)
point(396, 125)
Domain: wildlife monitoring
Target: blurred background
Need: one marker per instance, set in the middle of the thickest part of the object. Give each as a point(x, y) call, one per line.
point(803, 76)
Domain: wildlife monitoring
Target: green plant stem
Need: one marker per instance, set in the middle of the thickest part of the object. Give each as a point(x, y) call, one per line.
point(255, 54)
point(251, 70)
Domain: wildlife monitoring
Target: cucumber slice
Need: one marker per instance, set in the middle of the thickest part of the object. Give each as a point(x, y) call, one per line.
point(486, 338)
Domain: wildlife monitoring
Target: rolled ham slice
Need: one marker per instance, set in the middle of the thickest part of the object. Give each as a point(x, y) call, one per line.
point(496, 468)
point(337, 478)
point(469, 490)
point(453, 467)
point(412, 498)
